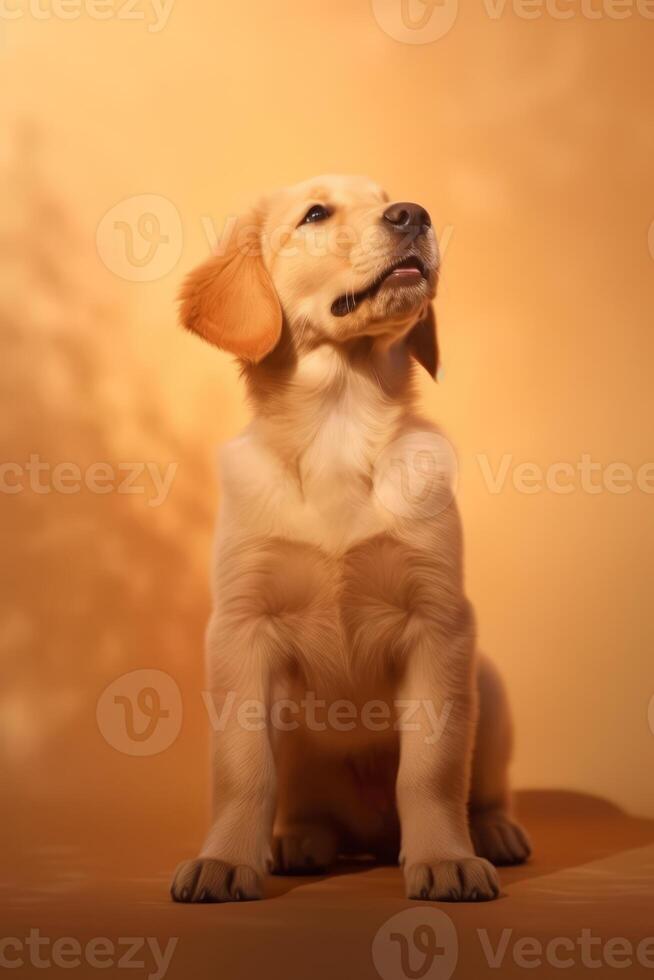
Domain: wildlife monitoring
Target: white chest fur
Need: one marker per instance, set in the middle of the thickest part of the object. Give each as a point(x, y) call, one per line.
point(325, 496)
point(339, 462)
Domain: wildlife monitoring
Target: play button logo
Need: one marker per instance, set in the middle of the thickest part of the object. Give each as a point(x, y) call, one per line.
point(416, 21)
point(417, 944)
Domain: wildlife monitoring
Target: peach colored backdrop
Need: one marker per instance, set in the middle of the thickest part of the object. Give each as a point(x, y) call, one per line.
point(530, 141)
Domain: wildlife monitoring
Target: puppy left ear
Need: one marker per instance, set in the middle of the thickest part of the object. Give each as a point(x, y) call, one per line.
point(422, 342)
point(230, 300)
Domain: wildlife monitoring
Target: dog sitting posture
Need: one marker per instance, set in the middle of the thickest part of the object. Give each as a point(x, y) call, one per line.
point(333, 585)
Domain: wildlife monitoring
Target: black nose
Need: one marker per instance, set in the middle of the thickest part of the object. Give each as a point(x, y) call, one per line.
point(407, 218)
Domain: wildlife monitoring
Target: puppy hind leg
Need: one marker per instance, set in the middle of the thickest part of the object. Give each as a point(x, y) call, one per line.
point(496, 835)
point(304, 849)
point(306, 839)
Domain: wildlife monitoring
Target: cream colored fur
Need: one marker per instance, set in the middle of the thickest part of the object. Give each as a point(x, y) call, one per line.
point(332, 585)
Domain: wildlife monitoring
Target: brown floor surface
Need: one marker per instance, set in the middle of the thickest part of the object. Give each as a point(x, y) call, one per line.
point(593, 869)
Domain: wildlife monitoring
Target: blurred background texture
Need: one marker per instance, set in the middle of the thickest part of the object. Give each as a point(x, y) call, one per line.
point(127, 142)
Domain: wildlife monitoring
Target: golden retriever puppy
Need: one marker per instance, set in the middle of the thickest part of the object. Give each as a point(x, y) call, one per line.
point(345, 687)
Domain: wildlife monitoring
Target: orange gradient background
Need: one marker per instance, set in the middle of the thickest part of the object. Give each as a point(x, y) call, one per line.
point(530, 142)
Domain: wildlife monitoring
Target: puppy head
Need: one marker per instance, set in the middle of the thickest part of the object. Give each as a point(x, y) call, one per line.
point(333, 260)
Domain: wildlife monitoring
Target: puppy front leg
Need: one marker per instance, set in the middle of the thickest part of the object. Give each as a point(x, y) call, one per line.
point(434, 772)
point(237, 849)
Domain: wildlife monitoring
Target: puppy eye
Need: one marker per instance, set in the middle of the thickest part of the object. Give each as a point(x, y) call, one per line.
point(315, 213)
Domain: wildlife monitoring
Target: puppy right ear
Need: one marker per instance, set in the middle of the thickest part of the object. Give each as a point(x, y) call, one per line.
point(230, 299)
point(422, 342)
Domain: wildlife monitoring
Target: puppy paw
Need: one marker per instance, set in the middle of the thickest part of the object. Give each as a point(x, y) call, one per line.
point(465, 880)
point(304, 851)
point(499, 839)
point(208, 880)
